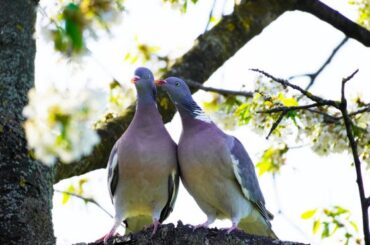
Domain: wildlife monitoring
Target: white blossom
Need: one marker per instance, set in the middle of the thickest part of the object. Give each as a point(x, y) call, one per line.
point(59, 123)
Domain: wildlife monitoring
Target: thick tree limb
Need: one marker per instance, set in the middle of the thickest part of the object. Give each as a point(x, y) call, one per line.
point(209, 52)
point(334, 18)
point(184, 234)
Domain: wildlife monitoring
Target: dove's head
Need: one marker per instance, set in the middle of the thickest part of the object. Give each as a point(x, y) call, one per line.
point(177, 89)
point(144, 82)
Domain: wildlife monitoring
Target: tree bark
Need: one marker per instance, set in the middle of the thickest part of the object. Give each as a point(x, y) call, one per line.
point(25, 185)
point(184, 234)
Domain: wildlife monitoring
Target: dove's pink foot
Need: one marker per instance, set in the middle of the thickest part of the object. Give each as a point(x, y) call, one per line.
point(106, 237)
point(209, 221)
point(234, 227)
point(155, 226)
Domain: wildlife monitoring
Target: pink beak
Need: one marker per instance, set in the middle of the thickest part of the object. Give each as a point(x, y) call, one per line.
point(135, 79)
point(160, 82)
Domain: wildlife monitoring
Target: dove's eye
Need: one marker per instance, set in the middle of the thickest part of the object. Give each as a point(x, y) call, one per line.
point(177, 84)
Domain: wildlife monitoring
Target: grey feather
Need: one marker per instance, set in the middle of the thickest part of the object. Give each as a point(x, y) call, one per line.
point(113, 171)
point(173, 188)
point(247, 178)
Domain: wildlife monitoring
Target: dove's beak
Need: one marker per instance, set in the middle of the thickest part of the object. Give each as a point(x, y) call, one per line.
point(160, 82)
point(135, 79)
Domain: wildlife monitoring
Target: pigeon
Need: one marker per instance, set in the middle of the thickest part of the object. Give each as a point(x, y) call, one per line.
point(143, 176)
point(216, 169)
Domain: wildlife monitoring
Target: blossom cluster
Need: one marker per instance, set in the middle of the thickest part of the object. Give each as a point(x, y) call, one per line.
point(325, 135)
point(58, 126)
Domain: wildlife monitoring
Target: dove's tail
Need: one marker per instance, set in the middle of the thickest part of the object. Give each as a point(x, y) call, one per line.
point(259, 226)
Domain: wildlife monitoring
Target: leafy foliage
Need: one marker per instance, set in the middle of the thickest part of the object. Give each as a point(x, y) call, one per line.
point(78, 190)
point(332, 221)
point(180, 4)
point(272, 159)
point(78, 17)
point(321, 128)
point(363, 7)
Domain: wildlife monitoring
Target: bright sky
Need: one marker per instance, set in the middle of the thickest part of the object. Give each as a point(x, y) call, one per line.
point(296, 43)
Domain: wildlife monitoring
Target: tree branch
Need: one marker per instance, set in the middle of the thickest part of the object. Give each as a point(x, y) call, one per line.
point(85, 199)
point(276, 123)
point(353, 145)
point(209, 52)
point(185, 234)
point(315, 74)
point(342, 106)
point(290, 108)
point(362, 110)
point(309, 95)
point(224, 92)
point(334, 18)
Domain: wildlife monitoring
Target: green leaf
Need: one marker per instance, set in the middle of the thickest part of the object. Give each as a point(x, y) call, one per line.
point(316, 226)
point(66, 196)
point(81, 184)
point(325, 233)
point(308, 214)
point(354, 225)
point(74, 32)
point(340, 210)
point(263, 167)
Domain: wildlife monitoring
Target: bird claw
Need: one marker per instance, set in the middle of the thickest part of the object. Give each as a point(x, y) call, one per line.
point(155, 226)
point(106, 237)
point(231, 229)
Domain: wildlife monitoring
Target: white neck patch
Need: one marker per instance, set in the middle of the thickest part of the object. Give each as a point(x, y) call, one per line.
point(200, 115)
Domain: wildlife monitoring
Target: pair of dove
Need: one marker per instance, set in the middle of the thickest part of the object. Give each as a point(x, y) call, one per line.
point(144, 166)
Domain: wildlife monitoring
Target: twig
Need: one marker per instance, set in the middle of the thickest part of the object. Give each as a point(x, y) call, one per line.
point(86, 199)
point(353, 145)
point(276, 123)
point(315, 74)
point(290, 108)
point(327, 117)
point(285, 83)
point(219, 91)
point(362, 110)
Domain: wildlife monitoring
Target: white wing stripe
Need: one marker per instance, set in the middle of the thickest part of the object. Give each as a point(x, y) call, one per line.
point(235, 162)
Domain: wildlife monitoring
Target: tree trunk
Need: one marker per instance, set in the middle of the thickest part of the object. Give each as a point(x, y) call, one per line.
point(26, 186)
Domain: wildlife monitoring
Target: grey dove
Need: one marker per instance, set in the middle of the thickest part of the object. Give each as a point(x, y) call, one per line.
point(216, 169)
point(143, 174)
